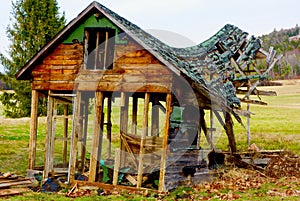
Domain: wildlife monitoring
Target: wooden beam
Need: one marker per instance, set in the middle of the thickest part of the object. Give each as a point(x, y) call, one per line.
point(96, 137)
point(105, 50)
point(123, 124)
point(74, 138)
point(161, 186)
point(50, 107)
point(108, 126)
point(33, 129)
point(81, 146)
point(96, 51)
point(155, 117)
point(116, 166)
point(266, 72)
point(228, 126)
point(203, 126)
point(65, 143)
point(13, 191)
point(85, 119)
point(257, 92)
point(257, 102)
point(134, 115)
point(144, 134)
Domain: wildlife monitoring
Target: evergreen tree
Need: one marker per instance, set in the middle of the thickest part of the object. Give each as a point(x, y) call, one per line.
point(34, 23)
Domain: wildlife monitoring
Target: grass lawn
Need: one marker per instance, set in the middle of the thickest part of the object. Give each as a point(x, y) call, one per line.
point(276, 126)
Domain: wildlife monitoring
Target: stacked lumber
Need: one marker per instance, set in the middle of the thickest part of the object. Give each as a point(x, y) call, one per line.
point(11, 184)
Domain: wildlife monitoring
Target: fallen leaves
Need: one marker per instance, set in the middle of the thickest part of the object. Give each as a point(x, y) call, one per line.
point(235, 183)
point(285, 165)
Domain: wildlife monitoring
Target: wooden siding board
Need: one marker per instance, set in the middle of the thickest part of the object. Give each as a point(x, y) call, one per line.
point(135, 69)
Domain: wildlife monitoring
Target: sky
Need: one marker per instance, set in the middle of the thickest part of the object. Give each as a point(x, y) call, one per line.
point(187, 21)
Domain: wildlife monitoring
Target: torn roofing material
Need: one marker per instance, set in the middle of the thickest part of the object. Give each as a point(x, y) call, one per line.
point(207, 64)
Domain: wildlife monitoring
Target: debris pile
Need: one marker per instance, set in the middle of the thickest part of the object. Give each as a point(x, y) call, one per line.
point(12, 184)
point(284, 165)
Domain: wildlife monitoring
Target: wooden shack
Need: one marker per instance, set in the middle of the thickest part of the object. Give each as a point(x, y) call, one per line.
point(123, 86)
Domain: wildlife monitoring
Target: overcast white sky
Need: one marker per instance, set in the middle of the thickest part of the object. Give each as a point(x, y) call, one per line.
point(196, 20)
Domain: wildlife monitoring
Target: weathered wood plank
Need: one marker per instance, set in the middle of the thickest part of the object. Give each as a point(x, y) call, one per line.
point(116, 167)
point(257, 92)
point(165, 144)
point(74, 137)
point(144, 134)
point(33, 129)
point(13, 191)
point(48, 166)
point(96, 138)
point(253, 102)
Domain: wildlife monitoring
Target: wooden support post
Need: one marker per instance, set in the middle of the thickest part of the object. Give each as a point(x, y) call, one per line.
point(212, 137)
point(97, 133)
point(105, 50)
point(248, 117)
point(85, 129)
point(155, 117)
point(81, 146)
point(134, 115)
point(50, 106)
point(161, 186)
point(33, 129)
point(144, 134)
point(74, 137)
point(96, 53)
point(204, 127)
point(116, 167)
point(123, 124)
point(109, 127)
point(53, 126)
point(65, 143)
point(228, 127)
point(230, 132)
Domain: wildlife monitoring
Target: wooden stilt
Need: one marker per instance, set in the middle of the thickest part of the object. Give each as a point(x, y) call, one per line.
point(204, 127)
point(155, 117)
point(50, 106)
point(97, 132)
point(123, 125)
point(53, 133)
point(84, 134)
point(229, 132)
point(144, 134)
point(109, 127)
point(33, 129)
point(81, 146)
point(161, 186)
point(134, 115)
point(248, 117)
point(74, 137)
point(116, 167)
point(212, 129)
point(65, 143)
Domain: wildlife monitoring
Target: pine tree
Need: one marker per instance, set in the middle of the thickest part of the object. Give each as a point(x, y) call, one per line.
point(34, 23)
